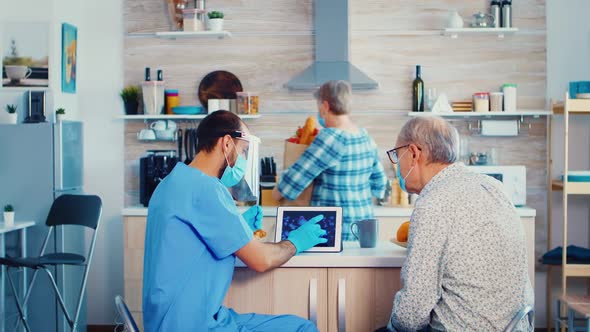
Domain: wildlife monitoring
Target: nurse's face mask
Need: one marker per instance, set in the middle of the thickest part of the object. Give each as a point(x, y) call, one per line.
point(241, 172)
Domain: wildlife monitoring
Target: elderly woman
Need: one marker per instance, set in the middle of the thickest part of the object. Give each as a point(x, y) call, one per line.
point(466, 267)
point(342, 162)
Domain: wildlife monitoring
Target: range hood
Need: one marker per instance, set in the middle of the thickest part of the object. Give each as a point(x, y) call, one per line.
point(332, 38)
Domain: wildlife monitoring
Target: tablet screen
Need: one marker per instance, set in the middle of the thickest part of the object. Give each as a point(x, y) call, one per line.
point(293, 219)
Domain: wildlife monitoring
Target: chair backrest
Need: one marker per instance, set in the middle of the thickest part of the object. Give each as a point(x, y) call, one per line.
point(526, 311)
point(130, 324)
point(83, 210)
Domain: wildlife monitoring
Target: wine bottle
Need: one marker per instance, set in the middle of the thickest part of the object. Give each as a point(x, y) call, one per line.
point(418, 92)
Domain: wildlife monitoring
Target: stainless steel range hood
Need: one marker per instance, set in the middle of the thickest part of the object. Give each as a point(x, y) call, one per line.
point(332, 38)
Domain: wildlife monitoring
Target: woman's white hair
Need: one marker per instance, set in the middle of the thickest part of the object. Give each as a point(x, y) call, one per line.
point(435, 136)
point(338, 94)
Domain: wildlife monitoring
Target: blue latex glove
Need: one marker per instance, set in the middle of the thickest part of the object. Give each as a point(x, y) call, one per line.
point(308, 235)
point(253, 217)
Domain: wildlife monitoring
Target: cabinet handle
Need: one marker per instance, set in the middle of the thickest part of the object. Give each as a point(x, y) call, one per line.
point(341, 305)
point(313, 301)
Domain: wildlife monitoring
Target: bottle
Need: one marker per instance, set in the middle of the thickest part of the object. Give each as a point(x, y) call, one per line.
point(495, 10)
point(159, 75)
point(506, 14)
point(418, 92)
point(147, 74)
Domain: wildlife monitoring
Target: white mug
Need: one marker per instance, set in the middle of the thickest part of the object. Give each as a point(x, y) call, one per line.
point(213, 105)
point(146, 134)
point(224, 104)
point(171, 125)
point(159, 125)
point(18, 72)
point(167, 134)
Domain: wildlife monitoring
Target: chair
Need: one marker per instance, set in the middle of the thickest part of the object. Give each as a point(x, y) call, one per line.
point(66, 210)
point(128, 320)
point(524, 312)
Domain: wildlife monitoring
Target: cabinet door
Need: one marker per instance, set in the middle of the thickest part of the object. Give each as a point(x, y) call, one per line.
point(361, 299)
point(284, 291)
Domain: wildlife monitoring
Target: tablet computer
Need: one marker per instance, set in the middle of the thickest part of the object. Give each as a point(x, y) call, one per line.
point(290, 218)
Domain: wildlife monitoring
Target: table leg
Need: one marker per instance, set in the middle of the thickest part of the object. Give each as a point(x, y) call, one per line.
point(23, 253)
point(2, 293)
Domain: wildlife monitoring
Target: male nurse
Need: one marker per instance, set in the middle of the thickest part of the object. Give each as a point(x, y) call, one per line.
point(194, 233)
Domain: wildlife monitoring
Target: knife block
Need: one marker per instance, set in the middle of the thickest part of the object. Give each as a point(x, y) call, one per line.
point(266, 197)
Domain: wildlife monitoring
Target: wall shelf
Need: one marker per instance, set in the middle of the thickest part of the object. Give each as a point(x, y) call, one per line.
point(578, 106)
point(179, 117)
point(183, 34)
point(500, 32)
point(489, 115)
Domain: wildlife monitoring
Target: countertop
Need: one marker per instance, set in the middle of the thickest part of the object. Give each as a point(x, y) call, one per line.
point(380, 211)
point(386, 254)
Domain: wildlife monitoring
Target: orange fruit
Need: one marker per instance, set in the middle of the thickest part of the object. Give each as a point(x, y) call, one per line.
point(402, 232)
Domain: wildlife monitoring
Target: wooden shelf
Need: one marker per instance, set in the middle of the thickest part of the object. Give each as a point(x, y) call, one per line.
point(500, 32)
point(179, 117)
point(533, 113)
point(577, 106)
point(182, 34)
point(577, 270)
point(573, 188)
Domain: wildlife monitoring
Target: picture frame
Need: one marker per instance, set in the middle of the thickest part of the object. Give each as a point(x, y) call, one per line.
point(69, 58)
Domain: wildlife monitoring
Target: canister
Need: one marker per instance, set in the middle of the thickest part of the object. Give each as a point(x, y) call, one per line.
point(172, 100)
point(496, 100)
point(193, 19)
point(481, 102)
point(509, 90)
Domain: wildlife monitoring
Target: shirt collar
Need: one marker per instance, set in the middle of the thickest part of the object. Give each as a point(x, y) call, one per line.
point(441, 176)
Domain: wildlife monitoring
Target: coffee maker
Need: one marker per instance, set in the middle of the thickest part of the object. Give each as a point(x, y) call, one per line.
point(153, 168)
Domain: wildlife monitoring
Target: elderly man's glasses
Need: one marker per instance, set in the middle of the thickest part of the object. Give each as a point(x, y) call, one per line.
point(392, 154)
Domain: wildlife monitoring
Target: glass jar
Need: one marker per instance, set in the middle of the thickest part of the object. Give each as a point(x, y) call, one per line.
point(481, 102)
point(496, 99)
point(193, 19)
point(247, 103)
point(172, 100)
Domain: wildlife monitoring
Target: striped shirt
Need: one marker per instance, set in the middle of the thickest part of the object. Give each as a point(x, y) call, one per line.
point(346, 172)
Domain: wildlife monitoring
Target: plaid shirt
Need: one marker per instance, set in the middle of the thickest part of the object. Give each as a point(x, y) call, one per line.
point(345, 171)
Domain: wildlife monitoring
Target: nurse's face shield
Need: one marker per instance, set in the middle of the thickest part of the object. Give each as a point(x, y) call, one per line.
point(248, 189)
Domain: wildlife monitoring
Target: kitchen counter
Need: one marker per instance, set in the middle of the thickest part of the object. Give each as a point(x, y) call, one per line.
point(380, 211)
point(386, 254)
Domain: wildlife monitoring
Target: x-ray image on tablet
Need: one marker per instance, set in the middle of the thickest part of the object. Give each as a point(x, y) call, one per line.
point(291, 218)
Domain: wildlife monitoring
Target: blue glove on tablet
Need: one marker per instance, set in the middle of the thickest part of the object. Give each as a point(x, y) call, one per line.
point(308, 235)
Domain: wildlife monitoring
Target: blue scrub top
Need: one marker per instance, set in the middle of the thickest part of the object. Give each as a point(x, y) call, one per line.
point(193, 230)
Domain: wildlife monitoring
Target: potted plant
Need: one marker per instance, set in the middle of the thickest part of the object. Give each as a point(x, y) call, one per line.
point(60, 114)
point(8, 215)
point(12, 115)
point(130, 96)
point(215, 22)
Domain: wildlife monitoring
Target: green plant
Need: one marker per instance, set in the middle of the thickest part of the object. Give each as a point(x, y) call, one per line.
point(8, 208)
point(130, 93)
point(214, 15)
point(60, 111)
point(11, 109)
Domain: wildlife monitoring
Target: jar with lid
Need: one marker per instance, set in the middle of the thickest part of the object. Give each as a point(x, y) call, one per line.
point(509, 90)
point(193, 19)
point(496, 99)
point(247, 102)
point(171, 100)
point(481, 102)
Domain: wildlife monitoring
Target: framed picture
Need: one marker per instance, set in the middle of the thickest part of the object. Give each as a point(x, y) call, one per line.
point(25, 54)
point(69, 39)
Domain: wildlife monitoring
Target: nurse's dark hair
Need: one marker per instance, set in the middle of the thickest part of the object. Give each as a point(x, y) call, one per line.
point(214, 126)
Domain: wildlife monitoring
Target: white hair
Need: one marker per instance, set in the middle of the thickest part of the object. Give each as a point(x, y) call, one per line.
point(338, 94)
point(435, 136)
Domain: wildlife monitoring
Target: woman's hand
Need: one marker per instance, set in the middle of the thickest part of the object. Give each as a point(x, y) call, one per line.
point(276, 194)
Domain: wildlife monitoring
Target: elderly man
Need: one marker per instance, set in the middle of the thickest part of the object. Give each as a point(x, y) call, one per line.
point(466, 266)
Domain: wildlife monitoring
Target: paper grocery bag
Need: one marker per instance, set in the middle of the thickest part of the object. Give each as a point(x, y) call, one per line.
point(292, 153)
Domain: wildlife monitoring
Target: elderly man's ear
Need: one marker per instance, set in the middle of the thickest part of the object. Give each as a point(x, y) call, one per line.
point(415, 151)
